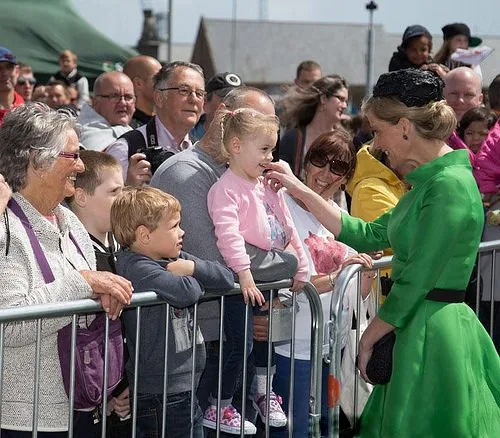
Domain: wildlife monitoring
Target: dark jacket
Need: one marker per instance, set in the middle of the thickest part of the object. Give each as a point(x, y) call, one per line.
point(181, 292)
point(400, 61)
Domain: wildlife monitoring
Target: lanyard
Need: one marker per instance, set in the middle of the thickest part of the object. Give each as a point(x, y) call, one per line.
point(47, 273)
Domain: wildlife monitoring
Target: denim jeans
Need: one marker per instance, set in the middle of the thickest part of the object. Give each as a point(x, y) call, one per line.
point(302, 389)
point(178, 415)
point(234, 328)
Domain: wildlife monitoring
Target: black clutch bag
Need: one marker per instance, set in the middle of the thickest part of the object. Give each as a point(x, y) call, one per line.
point(379, 367)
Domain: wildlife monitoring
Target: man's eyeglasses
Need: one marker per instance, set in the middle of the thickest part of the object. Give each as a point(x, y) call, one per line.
point(25, 81)
point(115, 98)
point(337, 167)
point(187, 91)
point(72, 155)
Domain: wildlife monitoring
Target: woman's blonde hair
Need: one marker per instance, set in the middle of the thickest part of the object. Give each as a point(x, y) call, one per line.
point(434, 121)
point(240, 123)
point(140, 206)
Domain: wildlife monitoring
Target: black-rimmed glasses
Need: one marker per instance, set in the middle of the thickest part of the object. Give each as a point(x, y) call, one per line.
point(115, 98)
point(337, 167)
point(187, 91)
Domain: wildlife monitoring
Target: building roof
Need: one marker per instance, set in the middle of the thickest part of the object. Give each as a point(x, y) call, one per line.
point(268, 51)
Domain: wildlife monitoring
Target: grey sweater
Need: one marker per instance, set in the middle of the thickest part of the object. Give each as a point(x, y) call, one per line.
point(148, 275)
point(22, 284)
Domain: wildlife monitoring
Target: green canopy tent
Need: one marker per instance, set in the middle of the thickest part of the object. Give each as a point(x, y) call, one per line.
point(37, 31)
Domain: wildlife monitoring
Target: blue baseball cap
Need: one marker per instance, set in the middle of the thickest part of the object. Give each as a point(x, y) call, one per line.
point(7, 56)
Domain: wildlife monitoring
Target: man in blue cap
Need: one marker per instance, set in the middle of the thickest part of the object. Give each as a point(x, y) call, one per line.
point(9, 72)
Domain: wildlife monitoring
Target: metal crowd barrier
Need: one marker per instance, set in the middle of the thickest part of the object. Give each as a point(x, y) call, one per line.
point(139, 300)
point(335, 324)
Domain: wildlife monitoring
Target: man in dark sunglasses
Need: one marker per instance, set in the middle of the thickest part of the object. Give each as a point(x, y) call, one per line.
point(25, 86)
point(9, 71)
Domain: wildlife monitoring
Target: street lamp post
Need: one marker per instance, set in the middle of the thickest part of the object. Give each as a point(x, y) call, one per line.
point(371, 7)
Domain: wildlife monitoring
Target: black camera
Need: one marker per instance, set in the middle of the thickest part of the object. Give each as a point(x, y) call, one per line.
point(156, 155)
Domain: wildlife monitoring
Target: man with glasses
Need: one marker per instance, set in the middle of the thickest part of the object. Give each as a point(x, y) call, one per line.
point(179, 94)
point(9, 72)
point(109, 116)
point(25, 82)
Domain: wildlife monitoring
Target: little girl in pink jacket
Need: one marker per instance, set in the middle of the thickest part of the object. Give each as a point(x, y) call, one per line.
point(246, 211)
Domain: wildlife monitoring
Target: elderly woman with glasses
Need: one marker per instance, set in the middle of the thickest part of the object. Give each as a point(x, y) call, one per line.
point(308, 113)
point(46, 257)
point(329, 163)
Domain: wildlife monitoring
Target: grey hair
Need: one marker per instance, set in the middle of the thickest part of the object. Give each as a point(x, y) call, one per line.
point(161, 78)
point(32, 135)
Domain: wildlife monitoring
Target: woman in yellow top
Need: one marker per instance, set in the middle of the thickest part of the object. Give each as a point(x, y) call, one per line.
point(374, 189)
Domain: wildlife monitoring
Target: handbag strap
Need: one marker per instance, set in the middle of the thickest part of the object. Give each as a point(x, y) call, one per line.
point(47, 273)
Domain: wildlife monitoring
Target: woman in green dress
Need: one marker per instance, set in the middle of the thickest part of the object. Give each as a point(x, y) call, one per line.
point(446, 373)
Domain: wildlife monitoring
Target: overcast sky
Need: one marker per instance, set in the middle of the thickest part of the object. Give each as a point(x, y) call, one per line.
point(121, 20)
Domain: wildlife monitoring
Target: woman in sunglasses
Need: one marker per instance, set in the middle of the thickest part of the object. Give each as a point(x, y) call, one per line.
point(329, 163)
point(308, 113)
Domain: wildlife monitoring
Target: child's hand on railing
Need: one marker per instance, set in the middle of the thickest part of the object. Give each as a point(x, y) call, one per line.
point(181, 267)
point(249, 291)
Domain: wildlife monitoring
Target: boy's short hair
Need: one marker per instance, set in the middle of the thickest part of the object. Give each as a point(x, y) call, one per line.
point(140, 206)
point(68, 54)
point(95, 164)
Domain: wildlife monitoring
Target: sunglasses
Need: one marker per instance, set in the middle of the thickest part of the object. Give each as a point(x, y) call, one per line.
point(24, 81)
point(337, 167)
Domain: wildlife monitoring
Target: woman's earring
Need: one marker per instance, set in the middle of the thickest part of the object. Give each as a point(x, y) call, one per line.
point(405, 137)
point(342, 187)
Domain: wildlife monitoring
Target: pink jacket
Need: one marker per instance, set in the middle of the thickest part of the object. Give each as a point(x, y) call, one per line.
point(487, 162)
point(237, 209)
point(455, 142)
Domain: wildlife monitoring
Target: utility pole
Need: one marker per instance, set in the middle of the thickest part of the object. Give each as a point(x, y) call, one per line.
point(370, 59)
point(263, 12)
point(169, 30)
point(234, 35)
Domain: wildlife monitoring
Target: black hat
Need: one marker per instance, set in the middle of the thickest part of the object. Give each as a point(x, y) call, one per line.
point(410, 86)
point(453, 29)
point(413, 31)
point(222, 83)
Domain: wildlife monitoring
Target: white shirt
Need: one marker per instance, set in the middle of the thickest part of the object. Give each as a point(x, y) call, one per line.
point(119, 148)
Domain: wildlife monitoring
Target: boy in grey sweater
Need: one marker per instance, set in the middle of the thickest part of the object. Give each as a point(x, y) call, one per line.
point(145, 222)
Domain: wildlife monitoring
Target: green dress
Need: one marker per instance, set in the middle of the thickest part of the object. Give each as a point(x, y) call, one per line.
point(446, 371)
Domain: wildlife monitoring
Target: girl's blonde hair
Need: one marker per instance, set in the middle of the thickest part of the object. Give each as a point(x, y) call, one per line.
point(240, 123)
point(434, 121)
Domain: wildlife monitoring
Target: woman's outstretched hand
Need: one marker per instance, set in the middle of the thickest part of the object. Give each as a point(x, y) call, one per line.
point(280, 175)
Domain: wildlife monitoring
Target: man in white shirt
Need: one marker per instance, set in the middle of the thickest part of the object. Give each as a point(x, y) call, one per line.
point(109, 116)
point(179, 93)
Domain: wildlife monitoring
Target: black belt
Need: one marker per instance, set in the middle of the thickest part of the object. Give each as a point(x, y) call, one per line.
point(446, 295)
